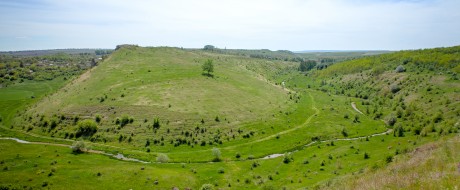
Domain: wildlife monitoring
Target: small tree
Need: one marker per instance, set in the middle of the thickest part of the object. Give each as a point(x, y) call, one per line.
point(78, 147)
point(216, 153)
point(208, 67)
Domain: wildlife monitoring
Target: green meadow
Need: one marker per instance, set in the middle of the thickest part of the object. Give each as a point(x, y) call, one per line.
point(157, 105)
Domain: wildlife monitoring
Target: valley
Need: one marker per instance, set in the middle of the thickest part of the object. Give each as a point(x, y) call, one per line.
point(151, 117)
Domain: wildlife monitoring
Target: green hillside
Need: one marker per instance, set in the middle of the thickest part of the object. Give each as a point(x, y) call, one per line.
point(325, 128)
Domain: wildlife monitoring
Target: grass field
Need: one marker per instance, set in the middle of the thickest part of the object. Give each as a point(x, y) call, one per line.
point(321, 141)
point(15, 97)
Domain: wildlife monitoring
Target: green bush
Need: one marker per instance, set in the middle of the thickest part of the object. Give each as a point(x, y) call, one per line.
point(207, 187)
point(287, 158)
point(98, 118)
point(78, 147)
point(394, 88)
point(400, 69)
point(344, 132)
point(366, 155)
point(156, 123)
point(86, 128)
point(217, 154)
point(124, 120)
point(389, 159)
point(163, 158)
point(390, 120)
point(398, 131)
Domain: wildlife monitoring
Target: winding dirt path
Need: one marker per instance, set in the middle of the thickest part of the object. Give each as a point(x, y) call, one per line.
point(317, 111)
point(314, 142)
point(118, 156)
point(356, 109)
point(271, 156)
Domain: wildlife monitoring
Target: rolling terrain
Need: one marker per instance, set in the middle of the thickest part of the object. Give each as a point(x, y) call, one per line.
point(254, 123)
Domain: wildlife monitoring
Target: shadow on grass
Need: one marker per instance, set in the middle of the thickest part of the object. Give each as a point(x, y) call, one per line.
point(208, 75)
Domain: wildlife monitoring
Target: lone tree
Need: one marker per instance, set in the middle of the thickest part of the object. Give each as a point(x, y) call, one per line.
point(208, 67)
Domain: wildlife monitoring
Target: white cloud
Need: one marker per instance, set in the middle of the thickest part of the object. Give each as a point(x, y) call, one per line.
point(288, 24)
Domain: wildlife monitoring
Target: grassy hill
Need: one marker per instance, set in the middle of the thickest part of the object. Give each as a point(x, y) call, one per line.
point(325, 129)
point(144, 84)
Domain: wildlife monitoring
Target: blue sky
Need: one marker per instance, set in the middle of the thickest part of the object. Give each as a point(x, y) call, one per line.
point(246, 24)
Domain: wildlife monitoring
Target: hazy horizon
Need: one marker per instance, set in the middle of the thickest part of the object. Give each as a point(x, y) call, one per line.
point(293, 25)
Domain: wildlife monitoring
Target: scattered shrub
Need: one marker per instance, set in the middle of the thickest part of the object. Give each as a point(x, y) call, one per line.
point(400, 69)
point(344, 132)
point(356, 119)
point(390, 120)
point(398, 131)
point(124, 120)
point(207, 187)
point(366, 155)
point(86, 128)
point(156, 123)
point(98, 118)
point(287, 158)
point(78, 147)
point(389, 159)
point(394, 88)
point(163, 158)
point(217, 154)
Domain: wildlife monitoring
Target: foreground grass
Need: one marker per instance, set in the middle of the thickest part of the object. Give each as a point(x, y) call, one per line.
point(431, 166)
point(29, 165)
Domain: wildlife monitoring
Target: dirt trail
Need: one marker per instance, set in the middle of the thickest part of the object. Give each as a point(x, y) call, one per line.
point(118, 156)
point(354, 107)
point(271, 156)
point(314, 142)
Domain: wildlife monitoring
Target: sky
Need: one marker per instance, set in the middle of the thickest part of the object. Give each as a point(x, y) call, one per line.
point(234, 24)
